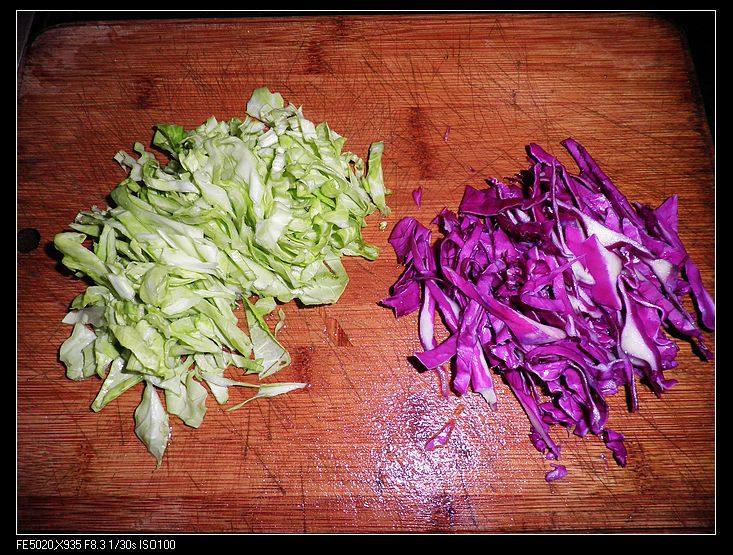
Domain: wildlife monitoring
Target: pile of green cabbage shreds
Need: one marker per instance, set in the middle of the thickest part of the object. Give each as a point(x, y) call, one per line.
point(263, 207)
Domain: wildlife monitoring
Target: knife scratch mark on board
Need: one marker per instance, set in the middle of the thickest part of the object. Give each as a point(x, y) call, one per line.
point(195, 483)
point(302, 499)
point(246, 438)
point(282, 417)
point(121, 424)
point(273, 478)
point(469, 502)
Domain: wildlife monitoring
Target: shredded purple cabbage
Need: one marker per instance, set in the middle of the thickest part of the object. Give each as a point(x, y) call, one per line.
point(561, 286)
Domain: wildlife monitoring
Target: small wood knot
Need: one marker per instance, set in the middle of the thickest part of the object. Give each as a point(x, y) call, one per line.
point(28, 239)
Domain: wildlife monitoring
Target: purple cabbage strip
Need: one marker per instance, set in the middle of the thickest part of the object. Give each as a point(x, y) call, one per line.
point(615, 442)
point(558, 471)
point(558, 284)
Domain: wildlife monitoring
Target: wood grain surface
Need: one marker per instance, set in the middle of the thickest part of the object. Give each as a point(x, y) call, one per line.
point(348, 453)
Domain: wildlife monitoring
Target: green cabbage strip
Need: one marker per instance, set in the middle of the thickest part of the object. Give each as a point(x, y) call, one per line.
point(263, 207)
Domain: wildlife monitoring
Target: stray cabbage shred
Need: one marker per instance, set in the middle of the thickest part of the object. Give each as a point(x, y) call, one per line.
point(264, 207)
point(561, 286)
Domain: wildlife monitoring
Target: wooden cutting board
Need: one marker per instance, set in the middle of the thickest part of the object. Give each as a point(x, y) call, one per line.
point(348, 454)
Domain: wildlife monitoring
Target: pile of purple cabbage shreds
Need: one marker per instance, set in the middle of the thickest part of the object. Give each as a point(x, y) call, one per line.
point(561, 286)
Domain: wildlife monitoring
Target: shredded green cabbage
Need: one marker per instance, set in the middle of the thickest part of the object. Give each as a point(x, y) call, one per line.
point(263, 207)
